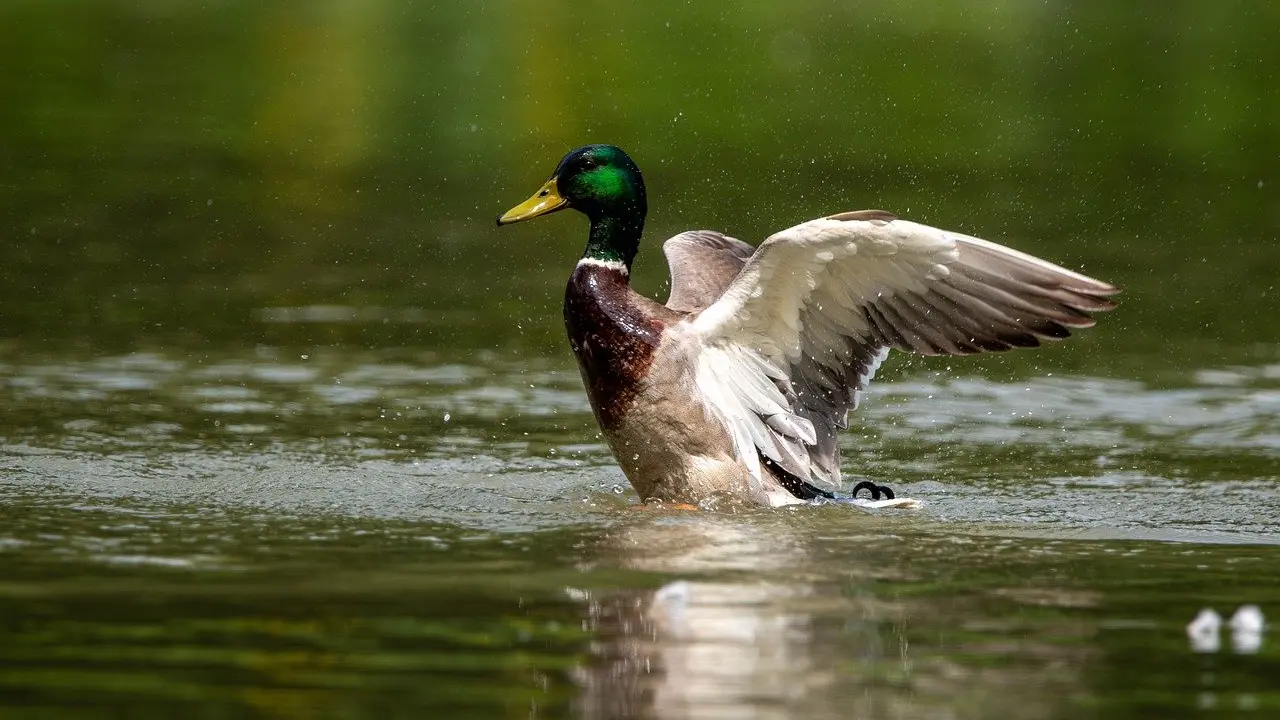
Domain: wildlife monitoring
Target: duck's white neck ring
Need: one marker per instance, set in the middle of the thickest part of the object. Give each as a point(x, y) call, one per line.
point(615, 265)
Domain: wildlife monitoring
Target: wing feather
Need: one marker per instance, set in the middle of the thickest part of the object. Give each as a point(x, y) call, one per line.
point(702, 263)
point(794, 338)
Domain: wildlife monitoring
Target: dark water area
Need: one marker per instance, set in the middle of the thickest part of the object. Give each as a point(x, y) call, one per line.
point(289, 429)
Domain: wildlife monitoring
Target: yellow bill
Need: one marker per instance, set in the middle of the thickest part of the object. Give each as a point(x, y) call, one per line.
point(546, 200)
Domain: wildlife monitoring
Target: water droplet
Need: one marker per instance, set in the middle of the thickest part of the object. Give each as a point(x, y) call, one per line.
point(447, 417)
point(617, 489)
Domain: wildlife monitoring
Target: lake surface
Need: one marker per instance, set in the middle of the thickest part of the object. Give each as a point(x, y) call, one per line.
point(288, 429)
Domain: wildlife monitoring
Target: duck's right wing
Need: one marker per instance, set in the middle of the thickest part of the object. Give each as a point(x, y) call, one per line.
point(703, 263)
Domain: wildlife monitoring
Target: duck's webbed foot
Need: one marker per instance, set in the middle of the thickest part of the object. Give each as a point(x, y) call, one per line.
point(881, 497)
point(877, 491)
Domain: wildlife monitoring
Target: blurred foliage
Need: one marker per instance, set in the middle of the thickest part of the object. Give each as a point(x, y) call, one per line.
point(176, 169)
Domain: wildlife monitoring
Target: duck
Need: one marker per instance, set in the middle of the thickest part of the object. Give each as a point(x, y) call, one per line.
point(738, 387)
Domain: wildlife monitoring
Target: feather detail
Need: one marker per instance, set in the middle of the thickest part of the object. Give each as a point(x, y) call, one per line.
point(793, 340)
point(702, 263)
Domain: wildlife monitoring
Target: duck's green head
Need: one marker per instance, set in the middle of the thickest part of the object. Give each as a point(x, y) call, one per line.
point(597, 180)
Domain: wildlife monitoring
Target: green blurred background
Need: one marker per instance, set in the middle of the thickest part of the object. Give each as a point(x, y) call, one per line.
point(222, 174)
point(289, 428)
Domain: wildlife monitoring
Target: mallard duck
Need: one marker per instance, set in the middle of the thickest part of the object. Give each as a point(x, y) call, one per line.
point(740, 384)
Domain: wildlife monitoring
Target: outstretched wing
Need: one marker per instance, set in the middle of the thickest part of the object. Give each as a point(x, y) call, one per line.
point(703, 263)
point(795, 338)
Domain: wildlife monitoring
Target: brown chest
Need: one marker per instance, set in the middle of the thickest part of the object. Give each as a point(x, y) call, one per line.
point(614, 332)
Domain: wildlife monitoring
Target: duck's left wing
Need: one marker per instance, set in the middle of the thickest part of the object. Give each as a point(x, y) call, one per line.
point(703, 263)
point(789, 345)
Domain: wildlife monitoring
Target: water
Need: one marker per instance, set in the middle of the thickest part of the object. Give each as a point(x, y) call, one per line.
point(288, 429)
point(357, 533)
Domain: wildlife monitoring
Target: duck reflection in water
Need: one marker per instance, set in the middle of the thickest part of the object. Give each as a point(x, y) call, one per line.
point(743, 629)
